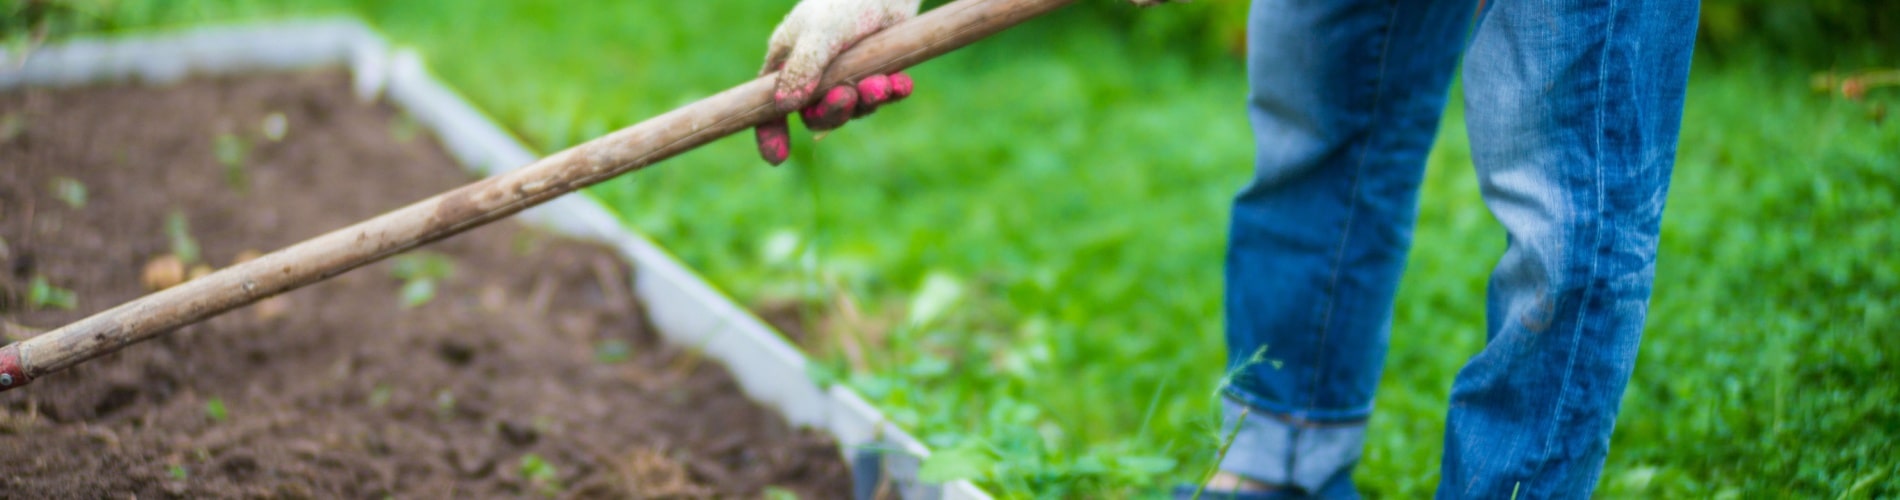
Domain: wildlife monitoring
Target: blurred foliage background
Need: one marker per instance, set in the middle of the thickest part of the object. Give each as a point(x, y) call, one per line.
point(1022, 263)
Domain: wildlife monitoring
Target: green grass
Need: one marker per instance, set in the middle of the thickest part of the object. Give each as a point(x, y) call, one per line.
point(1065, 189)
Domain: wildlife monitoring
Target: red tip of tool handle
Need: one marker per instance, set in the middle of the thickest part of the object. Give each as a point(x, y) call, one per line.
point(12, 374)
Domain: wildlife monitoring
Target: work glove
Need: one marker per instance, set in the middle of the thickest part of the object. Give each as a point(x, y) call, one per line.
point(814, 33)
point(803, 46)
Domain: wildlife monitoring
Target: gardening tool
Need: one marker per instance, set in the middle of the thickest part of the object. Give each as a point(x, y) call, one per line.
point(932, 34)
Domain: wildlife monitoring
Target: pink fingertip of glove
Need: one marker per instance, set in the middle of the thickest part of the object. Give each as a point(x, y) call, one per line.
point(838, 106)
point(775, 141)
point(901, 86)
point(841, 98)
point(874, 90)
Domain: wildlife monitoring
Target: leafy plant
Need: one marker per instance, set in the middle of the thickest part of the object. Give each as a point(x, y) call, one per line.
point(541, 475)
point(70, 191)
point(42, 294)
point(419, 272)
point(178, 231)
point(232, 152)
point(215, 410)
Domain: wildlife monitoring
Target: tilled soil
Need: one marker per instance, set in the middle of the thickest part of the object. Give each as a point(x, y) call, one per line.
point(530, 372)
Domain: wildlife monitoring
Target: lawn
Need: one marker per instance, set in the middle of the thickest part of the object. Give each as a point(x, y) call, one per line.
point(1022, 263)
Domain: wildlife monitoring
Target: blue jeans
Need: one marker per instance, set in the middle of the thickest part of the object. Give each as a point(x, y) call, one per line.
point(1573, 109)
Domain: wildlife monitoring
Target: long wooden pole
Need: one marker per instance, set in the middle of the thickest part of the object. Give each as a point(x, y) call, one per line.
point(932, 34)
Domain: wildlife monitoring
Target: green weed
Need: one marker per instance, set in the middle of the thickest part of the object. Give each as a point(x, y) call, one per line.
point(178, 232)
point(420, 271)
point(541, 475)
point(215, 410)
point(70, 191)
point(41, 294)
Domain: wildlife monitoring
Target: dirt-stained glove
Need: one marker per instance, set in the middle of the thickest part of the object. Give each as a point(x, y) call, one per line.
point(814, 33)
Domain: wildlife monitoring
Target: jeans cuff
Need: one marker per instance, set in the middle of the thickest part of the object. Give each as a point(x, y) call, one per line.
point(1274, 450)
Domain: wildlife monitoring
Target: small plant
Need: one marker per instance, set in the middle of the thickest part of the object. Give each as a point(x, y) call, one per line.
point(215, 410)
point(178, 230)
point(71, 191)
point(179, 472)
point(541, 474)
point(777, 493)
point(232, 152)
point(419, 272)
point(41, 294)
point(1225, 445)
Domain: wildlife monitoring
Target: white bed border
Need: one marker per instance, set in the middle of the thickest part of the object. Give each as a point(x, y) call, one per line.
point(685, 309)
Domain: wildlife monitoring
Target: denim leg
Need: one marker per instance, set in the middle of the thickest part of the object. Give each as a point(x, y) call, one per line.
point(1346, 98)
point(1573, 108)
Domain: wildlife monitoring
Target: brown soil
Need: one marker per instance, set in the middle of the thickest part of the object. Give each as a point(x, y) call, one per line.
point(338, 390)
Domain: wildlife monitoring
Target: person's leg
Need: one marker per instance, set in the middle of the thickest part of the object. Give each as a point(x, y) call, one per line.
point(1346, 98)
point(1573, 108)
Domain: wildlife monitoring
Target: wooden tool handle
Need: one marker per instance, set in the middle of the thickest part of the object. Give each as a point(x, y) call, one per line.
point(932, 34)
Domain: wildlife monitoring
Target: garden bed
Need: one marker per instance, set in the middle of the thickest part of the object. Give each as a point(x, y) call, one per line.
point(529, 370)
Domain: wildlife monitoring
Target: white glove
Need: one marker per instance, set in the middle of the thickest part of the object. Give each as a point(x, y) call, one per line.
point(803, 46)
point(813, 34)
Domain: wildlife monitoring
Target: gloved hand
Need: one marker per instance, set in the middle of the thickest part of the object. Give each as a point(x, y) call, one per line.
point(813, 34)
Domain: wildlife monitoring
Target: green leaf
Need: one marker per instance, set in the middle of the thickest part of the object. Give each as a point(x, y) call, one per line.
point(965, 462)
point(777, 493)
point(415, 293)
point(178, 230)
point(940, 291)
point(41, 294)
point(232, 151)
point(214, 409)
point(71, 191)
point(179, 473)
point(542, 474)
